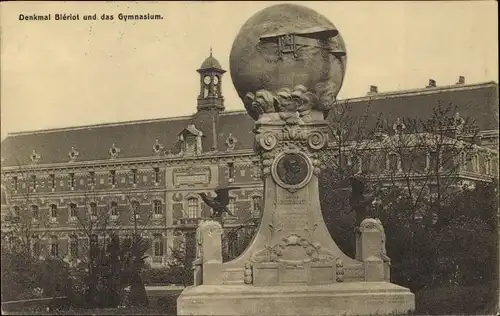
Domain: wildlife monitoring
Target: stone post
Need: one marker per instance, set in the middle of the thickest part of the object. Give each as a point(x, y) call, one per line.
point(370, 248)
point(208, 264)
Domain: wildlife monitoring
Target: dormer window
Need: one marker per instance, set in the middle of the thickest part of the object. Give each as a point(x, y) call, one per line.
point(190, 138)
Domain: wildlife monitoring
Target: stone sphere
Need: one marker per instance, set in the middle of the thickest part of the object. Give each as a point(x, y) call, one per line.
point(313, 62)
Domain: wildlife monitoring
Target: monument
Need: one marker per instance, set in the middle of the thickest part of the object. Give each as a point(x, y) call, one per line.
point(287, 64)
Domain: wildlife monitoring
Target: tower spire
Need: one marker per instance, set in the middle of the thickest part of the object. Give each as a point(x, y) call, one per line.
point(210, 50)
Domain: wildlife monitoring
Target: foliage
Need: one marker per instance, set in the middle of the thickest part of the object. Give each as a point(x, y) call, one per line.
point(26, 277)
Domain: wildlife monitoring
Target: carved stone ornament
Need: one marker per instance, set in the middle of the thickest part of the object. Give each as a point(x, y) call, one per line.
point(114, 151)
point(295, 250)
point(157, 148)
point(73, 154)
point(285, 105)
point(35, 157)
point(292, 170)
point(231, 142)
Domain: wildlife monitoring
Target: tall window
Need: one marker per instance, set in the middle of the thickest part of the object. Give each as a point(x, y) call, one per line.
point(15, 183)
point(158, 245)
point(52, 181)
point(35, 211)
point(134, 176)
point(393, 162)
point(16, 213)
point(157, 211)
point(33, 178)
point(356, 163)
point(92, 178)
point(257, 204)
point(72, 180)
point(113, 177)
point(54, 246)
point(433, 160)
point(94, 240)
point(231, 205)
point(93, 209)
point(157, 175)
point(35, 241)
point(135, 209)
point(53, 212)
point(73, 246)
point(192, 208)
point(114, 209)
point(230, 167)
point(73, 210)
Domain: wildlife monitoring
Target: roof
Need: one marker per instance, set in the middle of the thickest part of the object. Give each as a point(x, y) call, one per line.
point(210, 63)
point(476, 101)
point(136, 138)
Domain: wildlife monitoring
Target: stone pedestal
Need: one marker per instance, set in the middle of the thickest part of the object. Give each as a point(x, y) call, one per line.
point(355, 298)
point(287, 64)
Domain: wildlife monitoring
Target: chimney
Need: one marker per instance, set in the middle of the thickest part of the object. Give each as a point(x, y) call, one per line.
point(373, 90)
point(461, 80)
point(432, 83)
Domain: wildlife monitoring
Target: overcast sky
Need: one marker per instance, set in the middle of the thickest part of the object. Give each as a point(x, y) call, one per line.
point(67, 73)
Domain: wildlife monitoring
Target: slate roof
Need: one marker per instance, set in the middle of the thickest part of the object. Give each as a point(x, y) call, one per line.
point(136, 138)
point(476, 101)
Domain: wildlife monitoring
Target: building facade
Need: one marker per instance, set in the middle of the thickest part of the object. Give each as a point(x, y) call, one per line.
point(146, 175)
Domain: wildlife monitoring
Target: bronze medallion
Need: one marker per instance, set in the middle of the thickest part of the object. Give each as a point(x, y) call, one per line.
point(292, 169)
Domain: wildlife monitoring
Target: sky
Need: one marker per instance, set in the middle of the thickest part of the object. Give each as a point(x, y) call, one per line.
point(71, 73)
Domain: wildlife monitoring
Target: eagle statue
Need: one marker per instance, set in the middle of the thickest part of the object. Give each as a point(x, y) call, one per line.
point(219, 203)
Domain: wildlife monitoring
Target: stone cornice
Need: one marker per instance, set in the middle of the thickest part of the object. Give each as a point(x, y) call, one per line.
point(136, 162)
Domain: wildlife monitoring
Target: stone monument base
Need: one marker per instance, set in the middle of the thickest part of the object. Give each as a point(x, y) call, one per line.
point(350, 298)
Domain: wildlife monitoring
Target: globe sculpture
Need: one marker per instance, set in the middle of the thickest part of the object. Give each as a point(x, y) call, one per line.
point(288, 63)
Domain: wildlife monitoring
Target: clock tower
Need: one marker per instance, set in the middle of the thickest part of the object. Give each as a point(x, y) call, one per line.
point(210, 96)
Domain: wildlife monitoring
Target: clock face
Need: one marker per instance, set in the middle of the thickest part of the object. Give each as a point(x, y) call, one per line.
point(207, 79)
point(216, 80)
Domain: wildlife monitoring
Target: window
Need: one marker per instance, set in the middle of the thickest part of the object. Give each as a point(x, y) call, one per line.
point(35, 211)
point(134, 176)
point(393, 162)
point(72, 180)
point(93, 209)
point(52, 178)
point(114, 209)
point(73, 246)
point(14, 183)
point(93, 240)
point(192, 208)
point(157, 209)
point(136, 207)
point(356, 164)
point(257, 204)
point(232, 244)
point(157, 175)
point(92, 178)
point(54, 246)
point(231, 205)
point(113, 177)
point(35, 241)
point(158, 245)
point(53, 212)
point(230, 167)
point(73, 211)
point(16, 213)
point(33, 178)
point(433, 161)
